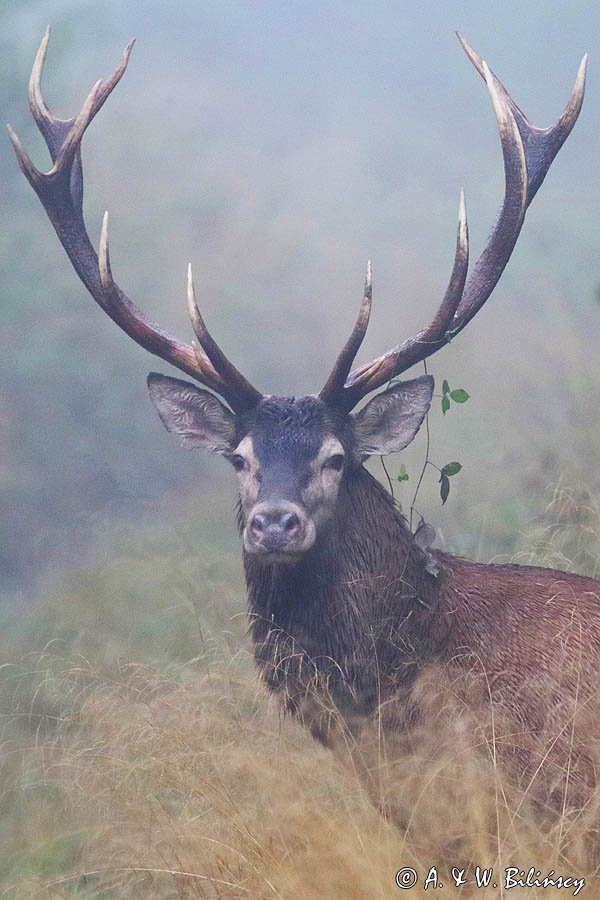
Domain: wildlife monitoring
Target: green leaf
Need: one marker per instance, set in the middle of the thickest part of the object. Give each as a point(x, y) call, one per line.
point(445, 387)
point(402, 474)
point(459, 395)
point(445, 404)
point(597, 294)
point(451, 468)
point(444, 488)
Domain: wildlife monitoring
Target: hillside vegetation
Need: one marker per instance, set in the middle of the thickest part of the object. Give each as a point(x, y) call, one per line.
point(141, 758)
point(277, 147)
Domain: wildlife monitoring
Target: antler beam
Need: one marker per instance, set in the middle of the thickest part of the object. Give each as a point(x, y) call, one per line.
point(528, 153)
point(61, 193)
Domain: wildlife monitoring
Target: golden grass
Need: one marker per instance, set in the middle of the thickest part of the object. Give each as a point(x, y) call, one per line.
point(180, 779)
point(189, 784)
point(567, 535)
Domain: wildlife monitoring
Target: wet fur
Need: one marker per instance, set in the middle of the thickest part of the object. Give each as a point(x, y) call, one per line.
point(358, 632)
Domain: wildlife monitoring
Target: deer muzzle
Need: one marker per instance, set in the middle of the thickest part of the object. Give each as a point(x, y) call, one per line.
point(282, 529)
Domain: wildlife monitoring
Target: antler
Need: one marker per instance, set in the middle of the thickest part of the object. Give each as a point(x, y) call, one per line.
point(61, 193)
point(528, 153)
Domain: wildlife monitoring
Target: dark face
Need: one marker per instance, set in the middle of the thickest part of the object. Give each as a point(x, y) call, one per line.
point(291, 456)
point(290, 463)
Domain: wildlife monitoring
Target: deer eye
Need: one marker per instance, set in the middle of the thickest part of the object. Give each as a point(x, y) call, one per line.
point(335, 462)
point(238, 462)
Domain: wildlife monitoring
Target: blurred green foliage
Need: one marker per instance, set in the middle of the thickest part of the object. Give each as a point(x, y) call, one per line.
point(274, 191)
point(162, 598)
point(277, 149)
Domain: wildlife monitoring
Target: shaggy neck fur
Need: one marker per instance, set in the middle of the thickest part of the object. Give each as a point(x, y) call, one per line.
point(351, 619)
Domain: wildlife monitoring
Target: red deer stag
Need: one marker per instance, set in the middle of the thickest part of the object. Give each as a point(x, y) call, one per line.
point(348, 621)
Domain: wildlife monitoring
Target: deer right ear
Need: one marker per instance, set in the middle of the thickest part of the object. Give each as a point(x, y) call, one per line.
point(196, 416)
point(390, 420)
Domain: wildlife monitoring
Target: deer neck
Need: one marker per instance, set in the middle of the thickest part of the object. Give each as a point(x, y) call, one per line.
point(362, 593)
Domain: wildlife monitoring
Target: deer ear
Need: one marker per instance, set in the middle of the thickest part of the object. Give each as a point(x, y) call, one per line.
point(196, 416)
point(389, 422)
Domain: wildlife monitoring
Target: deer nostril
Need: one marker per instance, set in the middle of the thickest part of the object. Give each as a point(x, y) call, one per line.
point(258, 523)
point(275, 526)
point(290, 523)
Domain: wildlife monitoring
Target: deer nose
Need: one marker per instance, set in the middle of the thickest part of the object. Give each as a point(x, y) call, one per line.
point(280, 528)
point(275, 525)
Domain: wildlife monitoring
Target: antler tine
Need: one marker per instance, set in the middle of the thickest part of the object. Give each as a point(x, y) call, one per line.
point(553, 137)
point(526, 159)
point(339, 373)
point(37, 104)
point(382, 369)
point(528, 153)
point(53, 129)
point(225, 369)
point(60, 191)
point(146, 333)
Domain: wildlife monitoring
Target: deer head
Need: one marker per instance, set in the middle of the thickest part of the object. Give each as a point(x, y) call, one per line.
point(292, 455)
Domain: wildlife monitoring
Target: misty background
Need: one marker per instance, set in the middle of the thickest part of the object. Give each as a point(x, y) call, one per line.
point(277, 147)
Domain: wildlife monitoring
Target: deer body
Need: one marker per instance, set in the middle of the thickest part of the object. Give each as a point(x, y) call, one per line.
point(353, 621)
point(364, 620)
point(360, 632)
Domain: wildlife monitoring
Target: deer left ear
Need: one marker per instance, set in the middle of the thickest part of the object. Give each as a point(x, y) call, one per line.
point(196, 416)
point(390, 421)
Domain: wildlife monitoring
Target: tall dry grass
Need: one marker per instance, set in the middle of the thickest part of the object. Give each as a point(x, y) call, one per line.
point(182, 780)
point(187, 785)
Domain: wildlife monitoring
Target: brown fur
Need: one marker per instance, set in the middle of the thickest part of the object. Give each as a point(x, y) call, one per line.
point(359, 634)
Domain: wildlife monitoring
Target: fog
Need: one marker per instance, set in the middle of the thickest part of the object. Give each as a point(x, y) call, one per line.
point(277, 147)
